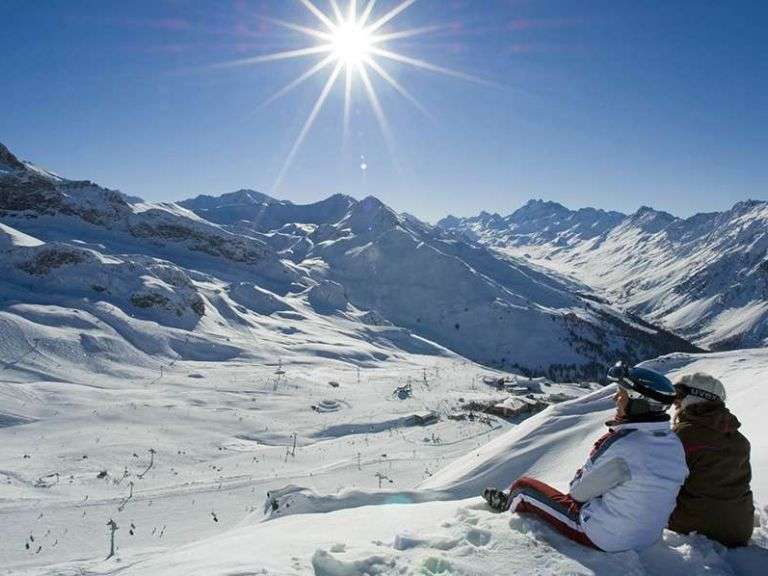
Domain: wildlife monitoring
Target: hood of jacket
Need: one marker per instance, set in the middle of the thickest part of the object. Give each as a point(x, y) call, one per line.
point(713, 415)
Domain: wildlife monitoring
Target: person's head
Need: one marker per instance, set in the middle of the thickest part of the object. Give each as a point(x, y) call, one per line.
point(698, 388)
point(640, 392)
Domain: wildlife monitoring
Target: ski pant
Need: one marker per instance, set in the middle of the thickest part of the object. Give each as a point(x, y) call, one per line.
point(559, 510)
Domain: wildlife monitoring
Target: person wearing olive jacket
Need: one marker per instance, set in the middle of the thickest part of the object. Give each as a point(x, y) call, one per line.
point(716, 500)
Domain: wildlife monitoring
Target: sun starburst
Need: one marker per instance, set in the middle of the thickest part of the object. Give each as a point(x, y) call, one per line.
point(350, 43)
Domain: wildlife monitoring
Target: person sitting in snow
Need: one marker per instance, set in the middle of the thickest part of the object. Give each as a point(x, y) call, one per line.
point(622, 497)
point(716, 499)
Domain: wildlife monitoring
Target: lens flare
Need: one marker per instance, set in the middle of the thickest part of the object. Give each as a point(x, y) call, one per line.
point(350, 47)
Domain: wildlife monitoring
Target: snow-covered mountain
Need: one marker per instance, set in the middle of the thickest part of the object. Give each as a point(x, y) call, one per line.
point(703, 277)
point(495, 311)
point(536, 223)
point(263, 213)
point(175, 367)
point(211, 266)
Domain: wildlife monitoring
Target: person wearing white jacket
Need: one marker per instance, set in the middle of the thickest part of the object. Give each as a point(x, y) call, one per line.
point(622, 497)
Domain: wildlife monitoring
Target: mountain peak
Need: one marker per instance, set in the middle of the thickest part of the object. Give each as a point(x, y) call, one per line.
point(650, 220)
point(747, 205)
point(372, 215)
point(340, 196)
point(449, 221)
point(540, 203)
point(8, 159)
point(647, 213)
point(246, 196)
point(538, 208)
point(243, 197)
point(371, 203)
point(338, 199)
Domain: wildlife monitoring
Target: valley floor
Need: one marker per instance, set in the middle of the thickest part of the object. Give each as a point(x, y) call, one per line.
point(183, 460)
point(222, 436)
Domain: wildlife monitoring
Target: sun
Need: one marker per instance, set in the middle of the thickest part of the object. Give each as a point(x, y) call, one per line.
point(351, 44)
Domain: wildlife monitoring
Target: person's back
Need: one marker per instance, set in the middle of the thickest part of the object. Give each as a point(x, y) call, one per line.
point(716, 499)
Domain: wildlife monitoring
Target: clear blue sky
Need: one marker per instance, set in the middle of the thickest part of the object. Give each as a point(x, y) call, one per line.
point(608, 103)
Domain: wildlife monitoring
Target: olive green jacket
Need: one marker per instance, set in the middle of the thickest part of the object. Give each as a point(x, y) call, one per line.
point(715, 500)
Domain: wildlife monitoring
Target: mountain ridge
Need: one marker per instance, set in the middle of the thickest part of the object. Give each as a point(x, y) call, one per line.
point(339, 258)
point(701, 276)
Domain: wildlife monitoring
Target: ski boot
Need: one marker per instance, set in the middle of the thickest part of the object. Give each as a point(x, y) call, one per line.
point(497, 499)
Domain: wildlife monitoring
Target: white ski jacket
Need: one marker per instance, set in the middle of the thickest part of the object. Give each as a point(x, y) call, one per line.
point(629, 485)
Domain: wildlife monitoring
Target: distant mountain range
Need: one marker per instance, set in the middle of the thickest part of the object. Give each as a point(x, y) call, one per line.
point(703, 277)
point(218, 277)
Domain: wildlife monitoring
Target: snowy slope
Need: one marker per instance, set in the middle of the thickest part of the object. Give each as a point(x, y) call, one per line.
point(442, 527)
point(573, 426)
point(704, 277)
point(177, 451)
point(446, 538)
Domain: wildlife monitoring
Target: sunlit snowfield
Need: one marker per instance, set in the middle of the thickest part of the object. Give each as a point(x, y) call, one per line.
point(187, 451)
point(222, 436)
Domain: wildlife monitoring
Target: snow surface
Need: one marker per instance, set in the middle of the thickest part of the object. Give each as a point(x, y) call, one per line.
point(223, 435)
point(224, 438)
point(10, 238)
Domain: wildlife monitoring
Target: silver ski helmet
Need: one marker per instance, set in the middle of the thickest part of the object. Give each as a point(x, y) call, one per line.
point(648, 390)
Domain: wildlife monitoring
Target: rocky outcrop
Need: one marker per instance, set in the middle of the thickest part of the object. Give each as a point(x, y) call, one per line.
point(8, 160)
point(50, 258)
point(200, 239)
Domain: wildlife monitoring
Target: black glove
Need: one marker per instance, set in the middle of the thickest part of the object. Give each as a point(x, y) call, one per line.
point(497, 500)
